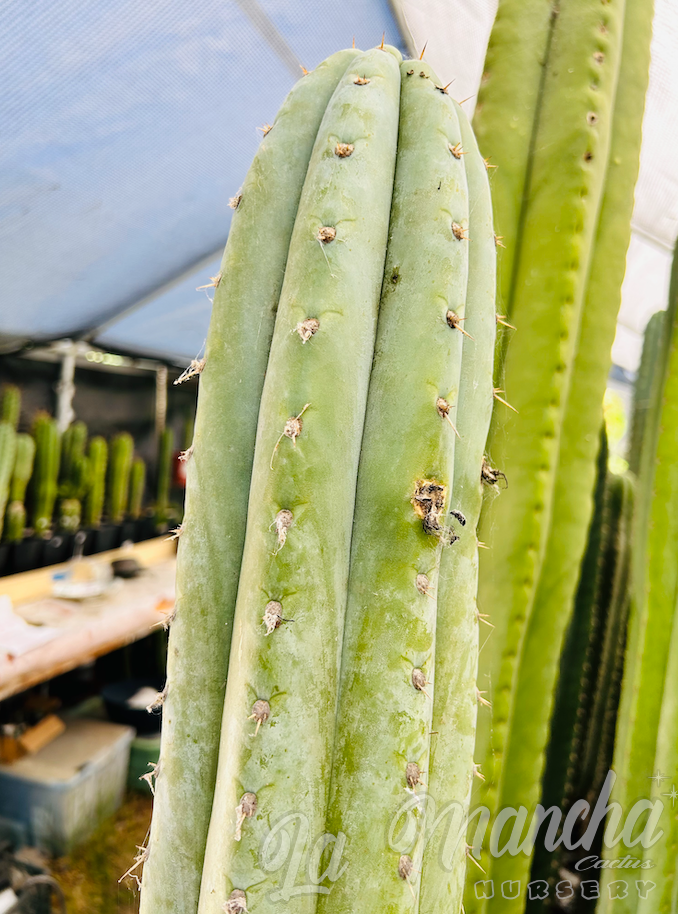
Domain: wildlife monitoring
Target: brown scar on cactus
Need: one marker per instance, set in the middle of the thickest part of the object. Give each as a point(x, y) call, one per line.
point(235, 202)
point(245, 809)
point(195, 368)
point(405, 869)
point(591, 118)
point(495, 392)
point(292, 430)
point(261, 711)
point(283, 521)
point(236, 903)
point(429, 502)
point(307, 328)
point(491, 475)
point(419, 680)
point(343, 150)
point(459, 232)
point(361, 80)
point(443, 410)
point(454, 322)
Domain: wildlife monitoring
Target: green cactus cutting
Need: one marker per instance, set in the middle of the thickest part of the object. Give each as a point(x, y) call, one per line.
point(7, 457)
point(218, 484)
point(97, 457)
point(164, 474)
point(15, 519)
point(74, 476)
point(566, 148)
point(647, 733)
point(44, 482)
point(137, 484)
point(11, 405)
point(117, 483)
point(393, 223)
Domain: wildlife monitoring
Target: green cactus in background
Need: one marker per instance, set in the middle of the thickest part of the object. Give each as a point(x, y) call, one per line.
point(377, 170)
point(15, 518)
point(7, 456)
point(164, 474)
point(11, 405)
point(119, 468)
point(74, 476)
point(559, 113)
point(647, 733)
point(44, 483)
point(137, 484)
point(585, 710)
point(97, 457)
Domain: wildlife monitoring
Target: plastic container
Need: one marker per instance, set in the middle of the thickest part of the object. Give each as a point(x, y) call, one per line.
point(63, 792)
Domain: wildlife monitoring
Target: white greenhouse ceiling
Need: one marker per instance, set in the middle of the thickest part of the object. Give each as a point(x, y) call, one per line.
point(127, 126)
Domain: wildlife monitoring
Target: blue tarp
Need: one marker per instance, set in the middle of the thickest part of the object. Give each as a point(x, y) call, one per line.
point(126, 127)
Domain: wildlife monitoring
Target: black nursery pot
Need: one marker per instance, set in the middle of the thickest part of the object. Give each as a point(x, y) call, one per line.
point(107, 537)
point(58, 548)
point(27, 554)
point(144, 529)
point(5, 551)
point(128, 531)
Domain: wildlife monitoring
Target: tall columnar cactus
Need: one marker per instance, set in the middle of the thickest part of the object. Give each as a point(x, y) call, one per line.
point(585, 711)
point(97, 457)
point(119, 467)
point(363, 504)
point(647, 733)
point(44, 483)
point(7, 457)
point(559, 114)
point(218, 484)
point(137, 484)
point(74, 476)
point(164, 473)
point(11, 405)
point(15, 518)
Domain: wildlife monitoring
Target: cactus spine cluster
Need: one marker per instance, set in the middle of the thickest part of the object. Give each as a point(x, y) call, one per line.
point(15, 519)
point(137, 484)
point(44, 482)
point(559, 113)
point(383, 232)
point(119, 468)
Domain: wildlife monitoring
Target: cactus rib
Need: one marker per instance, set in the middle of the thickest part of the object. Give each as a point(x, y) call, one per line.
point(334, 274)
point(217, 490)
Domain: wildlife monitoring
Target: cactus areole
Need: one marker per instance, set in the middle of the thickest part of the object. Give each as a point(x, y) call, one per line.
point(322, 660)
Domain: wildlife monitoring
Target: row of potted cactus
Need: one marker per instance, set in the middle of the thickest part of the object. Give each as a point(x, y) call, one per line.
point(53, 485)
